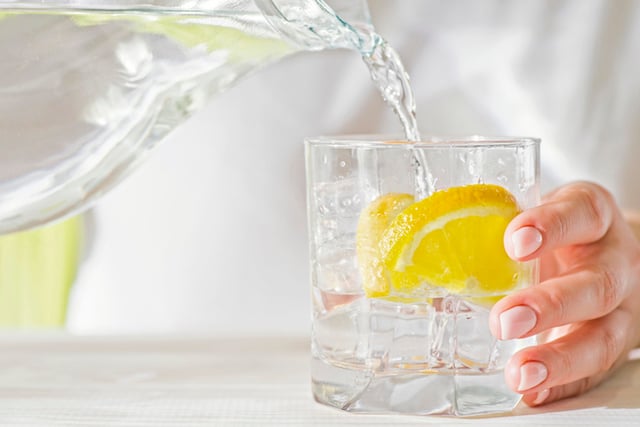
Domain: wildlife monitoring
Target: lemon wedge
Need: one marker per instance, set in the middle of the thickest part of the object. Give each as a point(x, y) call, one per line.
point(452, 240)
point(373, 222)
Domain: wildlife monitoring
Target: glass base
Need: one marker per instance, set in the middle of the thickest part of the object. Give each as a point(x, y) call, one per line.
point(411, 393)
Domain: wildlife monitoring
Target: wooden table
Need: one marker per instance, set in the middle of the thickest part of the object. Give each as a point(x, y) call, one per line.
point(54, 379)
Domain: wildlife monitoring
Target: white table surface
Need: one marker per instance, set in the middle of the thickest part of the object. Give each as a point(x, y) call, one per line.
point(54, 379)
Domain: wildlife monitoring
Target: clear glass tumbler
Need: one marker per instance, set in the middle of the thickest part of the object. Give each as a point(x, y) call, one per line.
point(407, 258)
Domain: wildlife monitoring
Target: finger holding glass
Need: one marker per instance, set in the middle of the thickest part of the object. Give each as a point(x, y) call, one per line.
point(587, 306)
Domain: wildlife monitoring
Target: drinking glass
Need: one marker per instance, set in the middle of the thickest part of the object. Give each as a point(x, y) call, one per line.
point(410, 344)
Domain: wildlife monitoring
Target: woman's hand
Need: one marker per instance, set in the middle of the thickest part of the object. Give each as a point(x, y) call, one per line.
point(587, 305)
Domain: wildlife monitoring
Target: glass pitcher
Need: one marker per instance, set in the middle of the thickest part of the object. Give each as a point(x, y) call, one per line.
point(88, 87)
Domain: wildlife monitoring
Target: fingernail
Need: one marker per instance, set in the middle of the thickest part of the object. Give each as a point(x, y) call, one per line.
point(531, 374)
point(526, 241)
point(542, 396)
point(516, 322)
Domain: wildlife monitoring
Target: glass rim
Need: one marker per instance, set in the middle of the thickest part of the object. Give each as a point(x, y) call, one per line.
point(395, 141)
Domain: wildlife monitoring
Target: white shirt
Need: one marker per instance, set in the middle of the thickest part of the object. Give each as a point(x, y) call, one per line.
point(209, 234)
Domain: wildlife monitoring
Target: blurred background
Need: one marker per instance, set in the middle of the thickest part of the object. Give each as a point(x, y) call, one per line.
point(209, 235)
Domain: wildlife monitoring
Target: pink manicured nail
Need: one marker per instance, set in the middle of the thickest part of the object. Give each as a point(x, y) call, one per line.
point(526, 241)
point(542, 396)
point(516, 322)
point(531, 374)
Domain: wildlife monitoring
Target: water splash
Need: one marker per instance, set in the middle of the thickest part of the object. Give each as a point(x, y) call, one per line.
point(392, 81)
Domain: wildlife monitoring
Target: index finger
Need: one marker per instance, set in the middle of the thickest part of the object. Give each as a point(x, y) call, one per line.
point(579, 213)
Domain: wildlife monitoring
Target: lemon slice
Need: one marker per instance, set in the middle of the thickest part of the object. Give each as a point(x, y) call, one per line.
point(373, 222)
point(451, 241)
